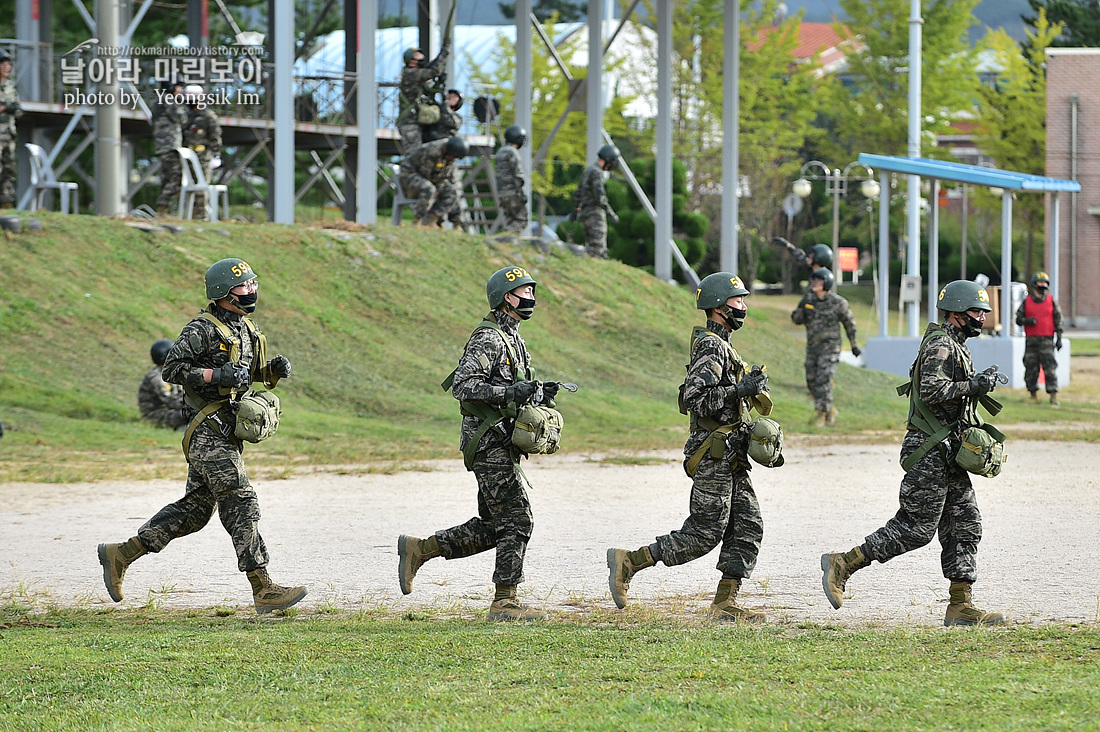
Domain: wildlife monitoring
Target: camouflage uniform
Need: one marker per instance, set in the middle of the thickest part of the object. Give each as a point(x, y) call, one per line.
point(1039, 349)
point(168, 121)
point(823, 318)
point(504, 519)
point(429, 177)
point(592, 205)
point(510, 182)
point(415, 86)
point(723, 504)
point(216, 476)
point(936, 494)
point(203, 134)
point(447, 126)
point(161, 403)
point(9, 99)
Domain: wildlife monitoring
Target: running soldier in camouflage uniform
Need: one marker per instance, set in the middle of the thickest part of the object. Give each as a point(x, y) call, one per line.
point(723, 504)
point(823, 312)
point(936, 494)
point(429, 175)
point(592, 208)
point(161, 403)
point(510, 181)
point(200, 361)
point(487, 375)
point(202, 133)
point(168, 119)
point(1042, 321)
point(10, 110)
point(417, 86)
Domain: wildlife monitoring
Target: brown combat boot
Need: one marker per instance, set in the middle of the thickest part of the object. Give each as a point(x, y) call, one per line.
point(961, 611)
point(269, 596)
point(725, 607)
point(505, 607)
point(623, 565)
point(1035, 396)
point(115, 558)
point(411, 555)
point(820, 416)
point(1054, 398)
point(831, 416)
point(836, 569)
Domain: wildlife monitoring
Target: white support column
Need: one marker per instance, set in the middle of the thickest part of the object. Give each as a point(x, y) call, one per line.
point(282, 187)
point(883, 253)
point(662, 250)
point(1006, 263)
point(731, 130)
point(1054, 253)
point(108, 131)
point(934, 250)
point(523, 91)
point(594, 81)
point(366, 111)
point(913, 229)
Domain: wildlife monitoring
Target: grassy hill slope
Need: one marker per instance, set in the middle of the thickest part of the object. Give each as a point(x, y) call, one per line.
point(372, 322)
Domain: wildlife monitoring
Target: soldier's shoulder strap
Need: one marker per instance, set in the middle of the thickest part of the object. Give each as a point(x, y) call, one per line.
point(488, 324)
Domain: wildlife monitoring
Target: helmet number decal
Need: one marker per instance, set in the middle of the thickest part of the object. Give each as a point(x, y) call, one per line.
point(241, 269)
point(515, 273)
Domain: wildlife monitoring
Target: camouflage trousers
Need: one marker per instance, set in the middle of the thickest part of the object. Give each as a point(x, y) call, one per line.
point(170, 417)
point(170, 178)
point(936, 497)
point(7, 168)
point(1039, 351)
point(429, 199)
point(821, 365)
point(513, 211)
point(723, 510)
point(412, 136)
point(595, 232)
point(504, 519)
point(215, 479)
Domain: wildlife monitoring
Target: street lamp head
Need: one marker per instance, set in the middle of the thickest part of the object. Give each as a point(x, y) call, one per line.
point(870, 188)
point(996, 191)
point(802, 188)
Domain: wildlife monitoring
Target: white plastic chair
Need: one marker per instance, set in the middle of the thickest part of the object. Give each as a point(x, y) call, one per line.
point(44, 180)
point(399, 198)
point(193, 182)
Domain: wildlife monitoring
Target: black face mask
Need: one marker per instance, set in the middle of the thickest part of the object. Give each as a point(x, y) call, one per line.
point(973, 327)
point(1041, 289)
point(526, 307)
point(734, 318)
point(246, 302)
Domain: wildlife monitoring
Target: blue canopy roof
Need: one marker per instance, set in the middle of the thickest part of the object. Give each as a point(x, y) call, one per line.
point(975, 174)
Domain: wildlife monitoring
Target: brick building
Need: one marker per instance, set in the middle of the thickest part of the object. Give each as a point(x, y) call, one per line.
point(1073, 152)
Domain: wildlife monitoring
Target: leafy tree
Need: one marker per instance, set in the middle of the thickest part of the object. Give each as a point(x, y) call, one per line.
point(1012, 115)
point(1079, 20)
point(544, 10)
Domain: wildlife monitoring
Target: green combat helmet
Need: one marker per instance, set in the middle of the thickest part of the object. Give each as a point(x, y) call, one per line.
point(820, 254)
point(766, 442)
point(824, 273)
point(1040, 277)
point(515, 135)
point(410, 54)
point(226, 274)
point(609, 154)
point(504, 281)
point(159, 351)
point(962, 295)
point(716, 288)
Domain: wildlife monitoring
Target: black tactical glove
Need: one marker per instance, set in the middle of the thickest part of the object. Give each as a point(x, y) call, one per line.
point(614, 217)
point(231, 376)
point(280, 366)
point(983, 383)
point(520, 393)
point(856, 350)
point(1030, 321)
point(550, 390)
point(752, 384)
point(1057, 341)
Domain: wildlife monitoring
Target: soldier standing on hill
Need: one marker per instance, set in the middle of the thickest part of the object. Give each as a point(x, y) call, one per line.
point(203, 134)
point(169, 117)
point(10, 110)
point(160, 403)
point(936, 494)
point(816, 257)
point(592, 208)
point(218, 355)
point(510, 181)
point(1042, 321)
point(723, 505)
point(823, 312)
point(428, 174)
point(493, 375)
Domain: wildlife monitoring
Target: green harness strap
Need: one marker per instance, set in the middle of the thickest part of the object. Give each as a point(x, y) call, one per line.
point(490, 415)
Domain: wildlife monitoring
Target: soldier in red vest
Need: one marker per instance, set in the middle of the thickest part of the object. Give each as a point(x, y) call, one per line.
point(1042, 321)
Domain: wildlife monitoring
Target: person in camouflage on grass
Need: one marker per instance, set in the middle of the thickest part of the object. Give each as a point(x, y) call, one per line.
point(1042, 321)
point(10, 110)
point(169, 116)
point(493, 374)
point(510, 181)
point(202, 133)
point(417, 86)
point(814, 258)
point(449, 119)
point(823, 312)
point(160, 403)
point(214, 369)
point(936, 494)
point(592, 208)
point(429, 175)
point(723, 504)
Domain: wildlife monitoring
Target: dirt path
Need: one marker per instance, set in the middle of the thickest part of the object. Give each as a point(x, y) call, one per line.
point(1039, 556)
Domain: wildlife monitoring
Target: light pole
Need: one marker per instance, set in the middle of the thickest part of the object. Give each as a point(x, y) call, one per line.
point(836, 185)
